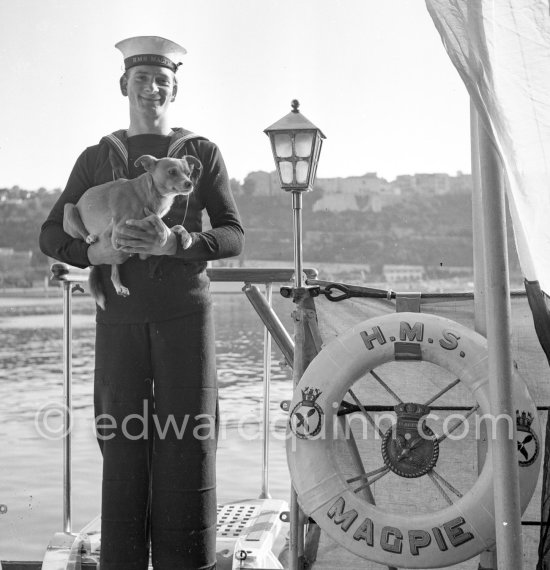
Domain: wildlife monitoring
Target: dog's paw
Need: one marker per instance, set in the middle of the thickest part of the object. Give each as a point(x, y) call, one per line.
point(92, 239)
point(123, 291)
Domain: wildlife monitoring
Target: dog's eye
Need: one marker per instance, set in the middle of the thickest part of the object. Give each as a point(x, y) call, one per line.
point(173, 172)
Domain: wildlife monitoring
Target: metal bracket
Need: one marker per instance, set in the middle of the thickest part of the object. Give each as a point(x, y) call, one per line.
point(407, 302)
point(407, 351)
point(299, 292)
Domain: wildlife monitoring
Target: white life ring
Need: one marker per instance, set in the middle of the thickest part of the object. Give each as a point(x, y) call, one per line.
point(429, 540)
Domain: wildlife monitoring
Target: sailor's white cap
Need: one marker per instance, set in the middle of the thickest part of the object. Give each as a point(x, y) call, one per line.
point(151, 50)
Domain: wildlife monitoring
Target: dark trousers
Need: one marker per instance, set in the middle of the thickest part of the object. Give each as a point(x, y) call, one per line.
point(155, 399)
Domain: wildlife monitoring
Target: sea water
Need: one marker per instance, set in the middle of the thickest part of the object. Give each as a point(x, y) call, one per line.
point(31, 397)
point(31, 389)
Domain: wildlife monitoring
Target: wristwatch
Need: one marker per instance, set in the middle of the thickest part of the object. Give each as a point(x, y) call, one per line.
point(184, 237)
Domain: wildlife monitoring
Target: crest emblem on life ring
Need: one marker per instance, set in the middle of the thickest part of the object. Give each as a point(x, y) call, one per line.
point(306, 417)
point(410, 448)
point(329, 490)
point(528, 443)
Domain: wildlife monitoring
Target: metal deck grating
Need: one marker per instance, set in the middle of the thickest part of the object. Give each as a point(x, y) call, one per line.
point(233, 519)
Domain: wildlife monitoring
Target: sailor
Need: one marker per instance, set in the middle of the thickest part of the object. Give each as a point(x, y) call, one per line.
point(155, 389)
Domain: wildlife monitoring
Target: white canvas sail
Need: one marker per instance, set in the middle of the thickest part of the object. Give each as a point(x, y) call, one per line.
point(501, 49)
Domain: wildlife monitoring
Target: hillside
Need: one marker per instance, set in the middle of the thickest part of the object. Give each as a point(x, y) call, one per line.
point(431, 231)
point(434, 231)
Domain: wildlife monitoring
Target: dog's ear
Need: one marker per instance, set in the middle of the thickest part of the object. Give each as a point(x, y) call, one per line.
point(147, 161)
point(195, 166)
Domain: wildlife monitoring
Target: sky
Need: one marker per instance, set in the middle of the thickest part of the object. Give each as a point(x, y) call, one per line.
point(371, 74)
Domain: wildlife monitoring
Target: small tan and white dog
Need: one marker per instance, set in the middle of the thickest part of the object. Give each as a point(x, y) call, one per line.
point(109, 205)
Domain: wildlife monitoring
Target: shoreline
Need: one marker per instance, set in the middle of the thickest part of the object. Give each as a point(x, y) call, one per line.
point(56, 292)
point(347, 273)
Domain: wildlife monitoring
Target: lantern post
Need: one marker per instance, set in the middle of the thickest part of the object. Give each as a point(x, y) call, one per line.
point(296, 145)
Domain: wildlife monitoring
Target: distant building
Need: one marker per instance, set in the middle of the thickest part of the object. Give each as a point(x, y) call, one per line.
point(399, 273)
point(15, 257)
point(461, 183)
point(335, 203)
point(262, 184)
point(369, 182)
point(363, 193)
point(433, 184)
point(367, 192)
point(15, 195)
point(12, 261)
point(406, 183)
point(453, 270)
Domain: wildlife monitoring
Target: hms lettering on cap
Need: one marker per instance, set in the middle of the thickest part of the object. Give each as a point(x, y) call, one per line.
point(151, 50)
point(148, 58)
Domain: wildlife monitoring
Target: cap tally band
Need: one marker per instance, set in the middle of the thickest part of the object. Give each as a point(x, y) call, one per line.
point(150, 59)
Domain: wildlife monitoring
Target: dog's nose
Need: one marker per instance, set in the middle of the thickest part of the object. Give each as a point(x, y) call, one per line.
point(187, 185)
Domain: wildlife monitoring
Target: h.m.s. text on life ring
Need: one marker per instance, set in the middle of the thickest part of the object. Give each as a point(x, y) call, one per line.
point(428, 540)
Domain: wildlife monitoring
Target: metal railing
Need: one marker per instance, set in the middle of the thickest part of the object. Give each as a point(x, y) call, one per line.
point(71, 278)
point(261, 302)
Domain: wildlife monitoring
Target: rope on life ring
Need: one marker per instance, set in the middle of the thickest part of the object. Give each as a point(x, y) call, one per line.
point(428, 540)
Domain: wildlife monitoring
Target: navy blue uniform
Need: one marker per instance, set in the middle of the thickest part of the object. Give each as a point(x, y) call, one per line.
point(155, 391)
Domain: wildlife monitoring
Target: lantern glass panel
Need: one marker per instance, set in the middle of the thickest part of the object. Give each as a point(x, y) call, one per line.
point(303, 142)
point(302, 168)
point(283, 145)
point(285, 168)
point(316, 153)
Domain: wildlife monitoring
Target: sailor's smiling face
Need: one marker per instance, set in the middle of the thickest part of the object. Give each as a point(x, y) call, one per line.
point(150, 88)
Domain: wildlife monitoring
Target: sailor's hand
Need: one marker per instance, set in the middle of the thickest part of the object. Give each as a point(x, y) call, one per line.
point(102, 252)
point(149, 236)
